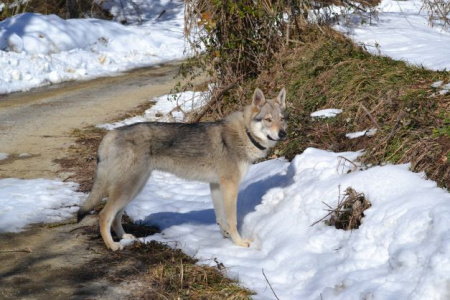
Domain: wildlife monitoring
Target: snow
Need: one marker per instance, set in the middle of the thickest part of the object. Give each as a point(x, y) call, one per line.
point(368, 132)
point(402, 31)
point(326, 113)
point(167, 108)
point(443, 89)
point(25, 202)
point(45, 49)
point(402, 248)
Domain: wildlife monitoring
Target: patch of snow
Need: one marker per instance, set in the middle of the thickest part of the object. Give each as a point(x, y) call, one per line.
point(368, 132)
point(326, 113)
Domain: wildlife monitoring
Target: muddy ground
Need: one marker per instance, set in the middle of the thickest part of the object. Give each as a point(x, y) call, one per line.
point(68, 261)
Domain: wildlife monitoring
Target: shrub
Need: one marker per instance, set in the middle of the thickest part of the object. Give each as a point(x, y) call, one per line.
point(236, 40)
point(438, 12)
point(64, 9)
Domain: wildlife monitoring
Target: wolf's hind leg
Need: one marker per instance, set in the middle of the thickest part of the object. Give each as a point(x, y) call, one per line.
point(118, 228)
point(119, 197)
point(108, 215)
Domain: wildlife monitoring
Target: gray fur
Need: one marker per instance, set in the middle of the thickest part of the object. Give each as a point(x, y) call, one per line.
point(215, 152)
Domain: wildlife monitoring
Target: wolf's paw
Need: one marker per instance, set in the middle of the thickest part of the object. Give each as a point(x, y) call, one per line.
point(244, 243)
point(115, 246)
point(128, 236)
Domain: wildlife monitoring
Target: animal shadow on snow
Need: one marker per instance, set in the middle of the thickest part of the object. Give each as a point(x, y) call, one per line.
point(249, 197)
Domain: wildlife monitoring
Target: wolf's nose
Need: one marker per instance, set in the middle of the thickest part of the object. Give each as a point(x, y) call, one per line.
point(282, 134)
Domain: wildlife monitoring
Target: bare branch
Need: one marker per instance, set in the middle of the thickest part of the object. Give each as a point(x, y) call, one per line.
point(270, 285)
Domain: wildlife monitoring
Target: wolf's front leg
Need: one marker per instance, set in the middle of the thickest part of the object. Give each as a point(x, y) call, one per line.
point(216, 195)
point(229, 188)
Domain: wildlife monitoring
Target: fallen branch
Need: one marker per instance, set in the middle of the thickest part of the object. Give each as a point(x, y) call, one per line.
point(370, 116)
point(355, 166)
point(27, 250)
point(81, 227)
point(214, 100)
point(269, 284)
point(63, 223)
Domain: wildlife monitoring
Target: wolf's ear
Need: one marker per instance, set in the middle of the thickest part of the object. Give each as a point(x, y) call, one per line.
point(258, 99)
point(281, 99)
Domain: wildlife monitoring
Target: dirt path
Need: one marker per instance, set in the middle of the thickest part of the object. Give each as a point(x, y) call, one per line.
point(67, 262)
point(35, 126)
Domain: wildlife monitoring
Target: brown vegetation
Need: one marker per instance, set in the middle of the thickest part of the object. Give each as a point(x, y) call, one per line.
point(64, 9)
point(329, 71)
point(349, 211)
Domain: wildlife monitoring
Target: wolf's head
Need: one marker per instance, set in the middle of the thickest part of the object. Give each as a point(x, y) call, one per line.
point(268, 122)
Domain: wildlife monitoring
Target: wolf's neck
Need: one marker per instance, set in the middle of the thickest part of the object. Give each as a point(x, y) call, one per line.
point(254, 141)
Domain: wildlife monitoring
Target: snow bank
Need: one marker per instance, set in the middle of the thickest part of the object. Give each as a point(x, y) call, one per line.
point(45, 49)
point(401, 30)
point(401, 251)
point(167, 108)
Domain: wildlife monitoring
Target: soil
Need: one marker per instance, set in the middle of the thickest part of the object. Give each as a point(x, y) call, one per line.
point(36, 127)
point(67, 261)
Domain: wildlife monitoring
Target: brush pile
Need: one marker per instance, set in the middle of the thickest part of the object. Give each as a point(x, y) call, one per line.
point(349, 211)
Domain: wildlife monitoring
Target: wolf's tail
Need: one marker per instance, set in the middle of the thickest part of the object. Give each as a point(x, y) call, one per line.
point(98, 192)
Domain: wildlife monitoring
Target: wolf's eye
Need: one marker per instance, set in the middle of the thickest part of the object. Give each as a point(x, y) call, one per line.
point(282, 119)
point(268, 120)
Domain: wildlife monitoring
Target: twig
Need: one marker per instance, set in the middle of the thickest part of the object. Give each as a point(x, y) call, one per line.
point(355, 166)
point(182, 273)
point(397, 121)
point(81, 227)
point(270, 285)
point(27, 250)
point(63, 223)
point(370, 116)
point(327, 205)
point(214, 101)
point(332, 211)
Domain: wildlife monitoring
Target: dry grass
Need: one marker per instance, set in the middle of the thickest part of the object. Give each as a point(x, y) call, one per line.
point(64, 9)
point(155, 271)
point(176, 276)
point(349, 211)
point(438, 12)
point(82, 158)
point(329, 71)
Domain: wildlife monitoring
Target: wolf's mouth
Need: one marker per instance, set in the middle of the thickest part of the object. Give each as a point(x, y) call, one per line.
point(275, 140)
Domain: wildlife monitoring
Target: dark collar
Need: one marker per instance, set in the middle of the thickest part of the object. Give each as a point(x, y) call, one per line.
point(254, 142)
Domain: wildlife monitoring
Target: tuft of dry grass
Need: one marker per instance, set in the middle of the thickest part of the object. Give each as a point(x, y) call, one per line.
point(171, 274)
point(349, 211)
point(82, 157)
point(181, 278)
point(156, 271)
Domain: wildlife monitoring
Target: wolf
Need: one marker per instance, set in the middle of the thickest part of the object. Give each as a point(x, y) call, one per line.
point(215, 152)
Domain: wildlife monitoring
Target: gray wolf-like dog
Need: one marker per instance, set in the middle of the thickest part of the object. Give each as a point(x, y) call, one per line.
point(215, 152)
